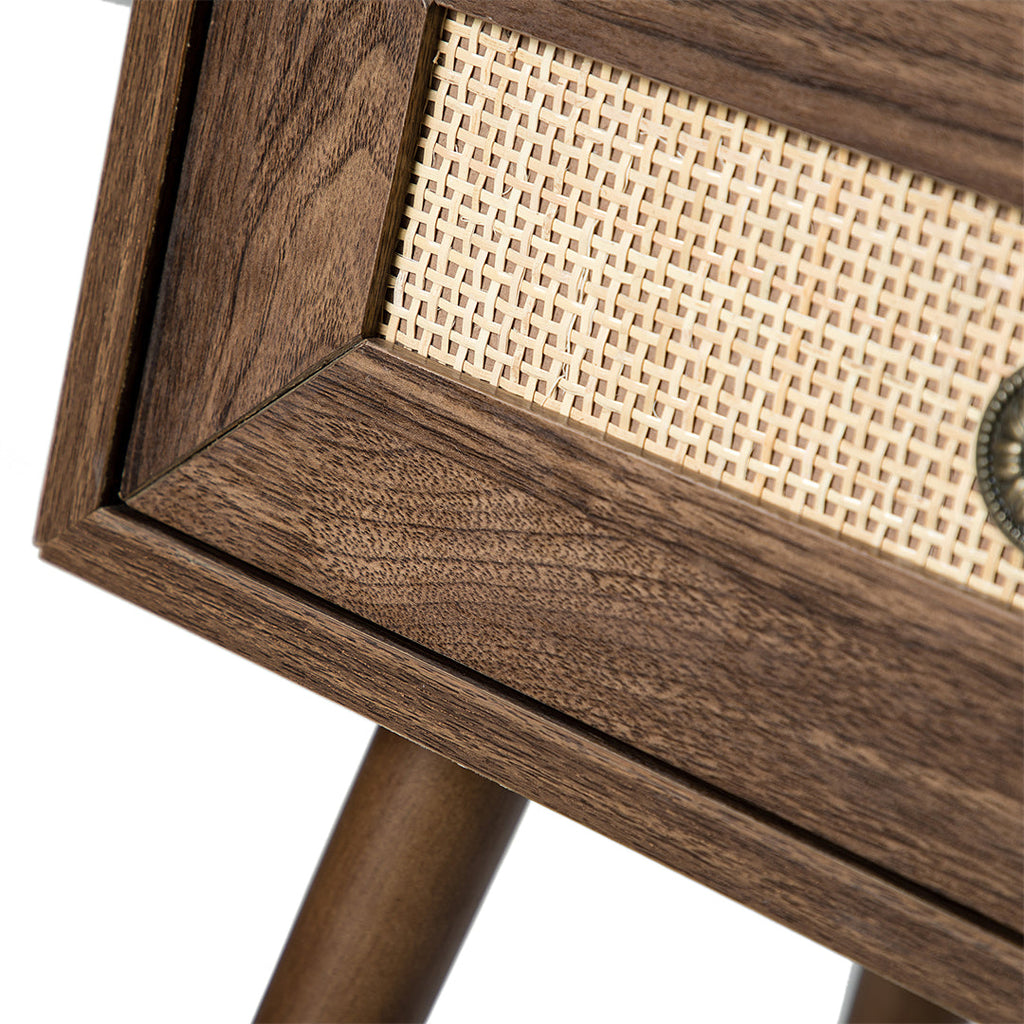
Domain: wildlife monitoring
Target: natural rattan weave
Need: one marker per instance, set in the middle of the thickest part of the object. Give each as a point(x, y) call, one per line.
point(816, 329)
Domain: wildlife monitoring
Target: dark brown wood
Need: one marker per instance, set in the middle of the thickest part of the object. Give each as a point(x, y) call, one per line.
point(395, 892)
point(150, 114)
point(860, 700)
point(923, 942)
point(872, 999)
point(922, 938)
point(284, 195)
point(276, 263)
point(934, 86)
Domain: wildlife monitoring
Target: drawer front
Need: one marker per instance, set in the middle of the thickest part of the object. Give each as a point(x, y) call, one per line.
point(814, 329)
point(538, 381)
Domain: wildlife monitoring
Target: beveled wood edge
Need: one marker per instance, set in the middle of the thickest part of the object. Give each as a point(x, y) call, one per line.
point(816, 87)
point(723, 503)
point(152, 108)
point(838, 589)
point(368, 316)
point(410, 137)
point(813, 888)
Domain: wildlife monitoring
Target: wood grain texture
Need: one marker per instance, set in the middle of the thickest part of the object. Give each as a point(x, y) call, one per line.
point(285, 190)
point(396, 890)
point(150, 116)
point(925, 941)
point(857, 699)
point(901, 932)
point(934, 86)
point(274, 264)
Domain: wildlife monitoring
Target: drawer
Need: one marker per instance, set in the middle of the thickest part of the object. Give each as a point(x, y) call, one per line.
point(591, 395)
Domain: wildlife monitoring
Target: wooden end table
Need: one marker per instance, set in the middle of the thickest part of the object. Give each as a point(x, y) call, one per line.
point(246, 446)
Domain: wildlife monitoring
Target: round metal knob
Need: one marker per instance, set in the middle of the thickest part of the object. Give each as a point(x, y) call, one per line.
point(1000, 457)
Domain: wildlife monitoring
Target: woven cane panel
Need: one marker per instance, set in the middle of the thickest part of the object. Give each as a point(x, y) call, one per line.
point(811, 327)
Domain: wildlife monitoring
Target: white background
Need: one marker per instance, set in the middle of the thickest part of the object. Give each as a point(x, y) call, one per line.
point(164, 802)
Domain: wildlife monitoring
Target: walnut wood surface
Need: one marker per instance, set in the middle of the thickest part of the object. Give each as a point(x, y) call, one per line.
point(285, 190)
point(934, 86)
point(923, 940)
point(289, 183)
point(136, 197)
point(395, 892)
point(858, 699)
point(897, 930)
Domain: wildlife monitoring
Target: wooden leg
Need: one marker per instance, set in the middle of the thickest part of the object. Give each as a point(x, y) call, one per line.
point(407, 866)
point(871, 999)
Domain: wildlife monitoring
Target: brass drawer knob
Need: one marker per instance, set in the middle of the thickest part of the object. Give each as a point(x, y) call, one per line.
point(1001, 457)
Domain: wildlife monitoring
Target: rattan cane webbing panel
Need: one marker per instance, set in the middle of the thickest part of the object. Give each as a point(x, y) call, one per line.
point(813, 328)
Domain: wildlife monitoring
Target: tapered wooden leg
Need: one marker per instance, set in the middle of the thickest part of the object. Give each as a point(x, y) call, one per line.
point(408, 864)
point(871, 999)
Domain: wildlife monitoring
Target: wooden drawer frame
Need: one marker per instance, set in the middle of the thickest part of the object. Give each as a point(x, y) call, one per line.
point(198, 542)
